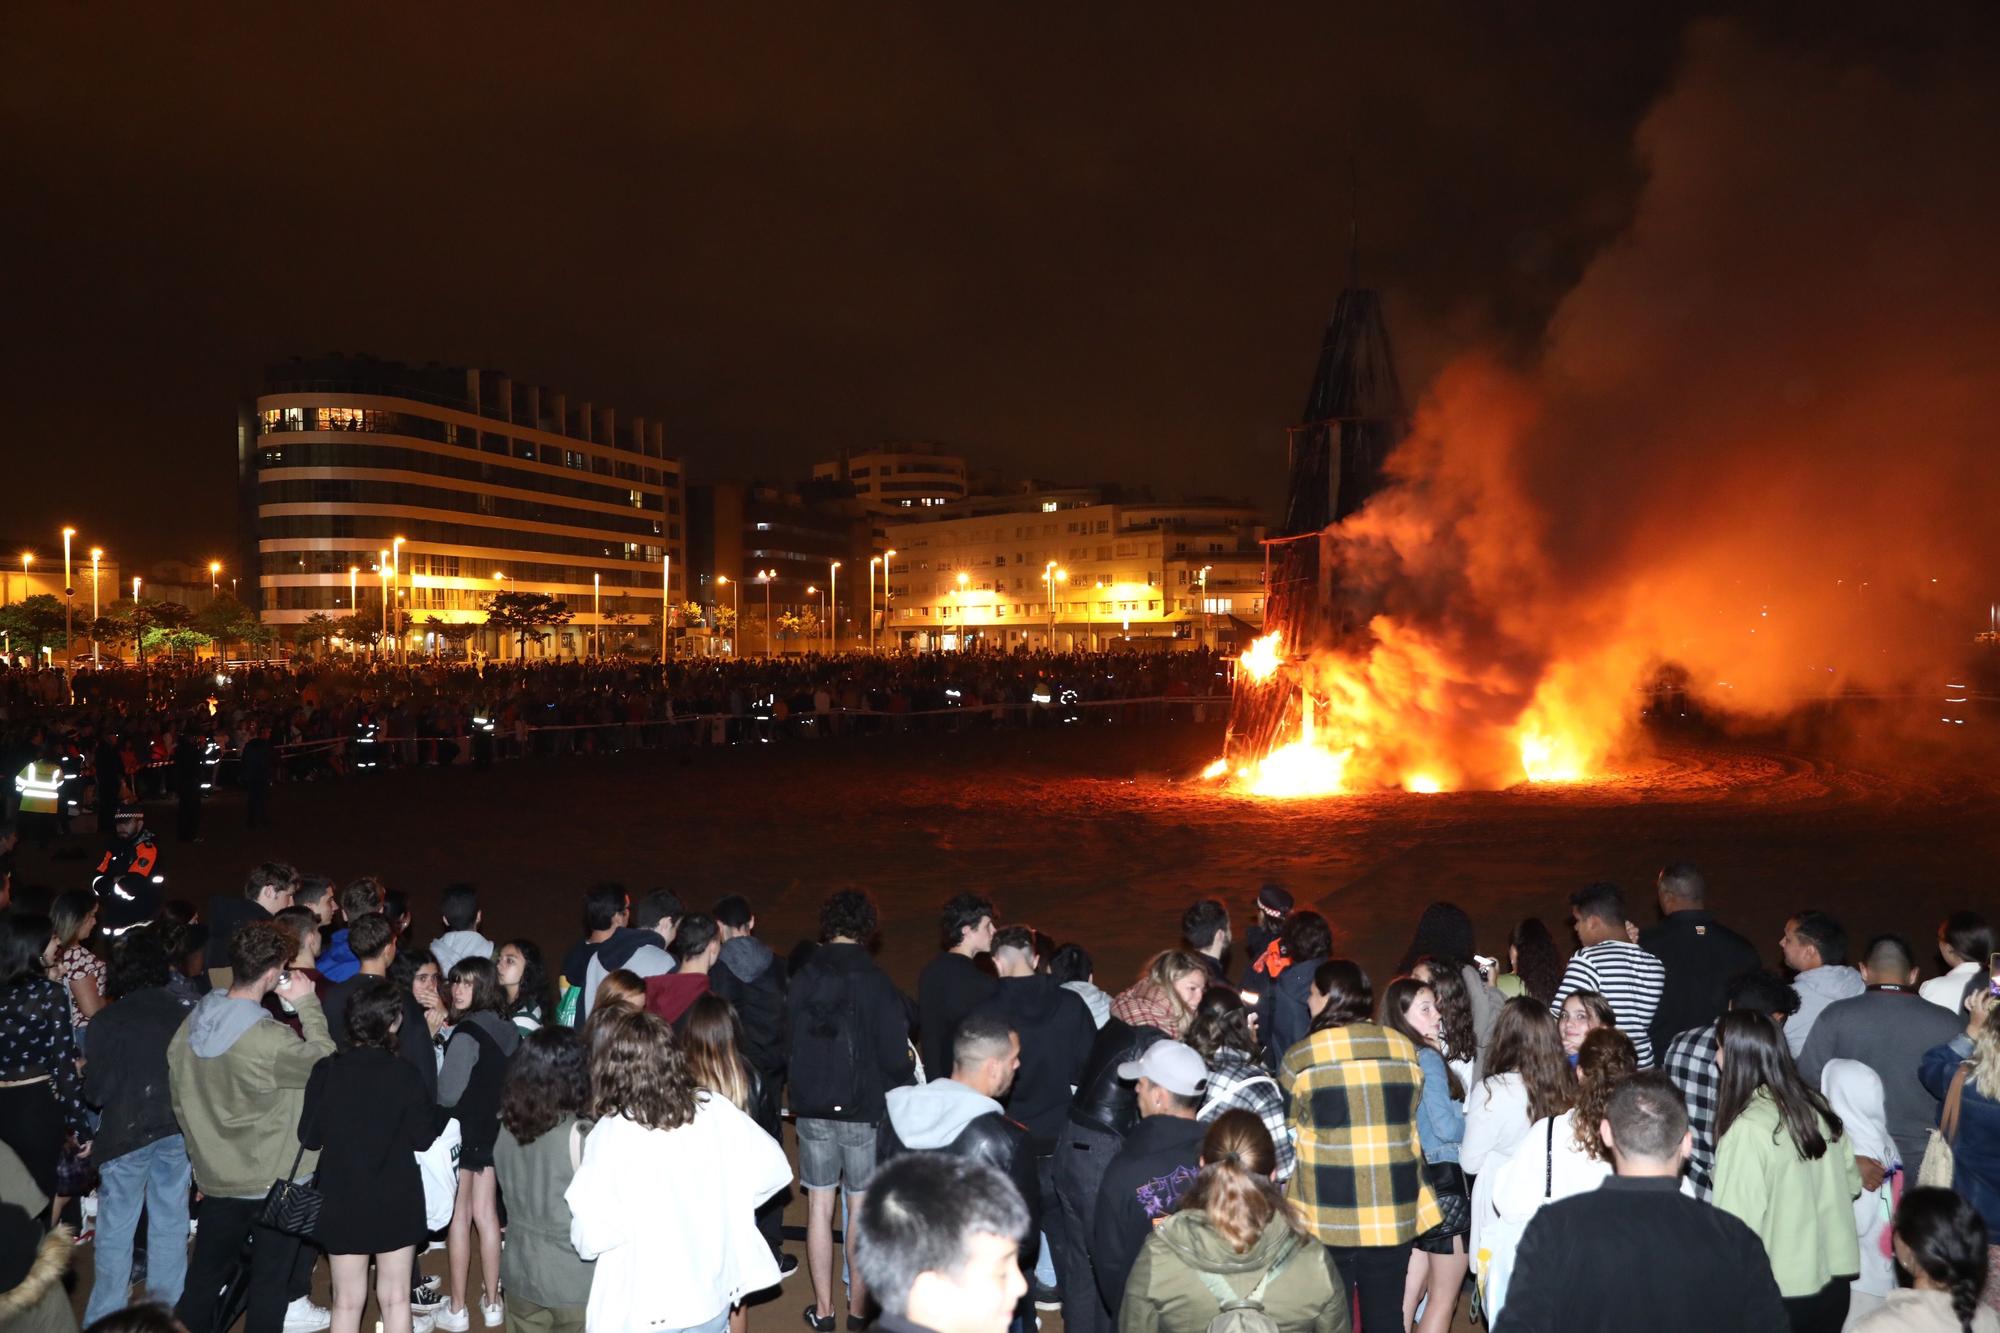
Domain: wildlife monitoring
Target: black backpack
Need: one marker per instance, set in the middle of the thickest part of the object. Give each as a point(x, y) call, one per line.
point(825, 1068)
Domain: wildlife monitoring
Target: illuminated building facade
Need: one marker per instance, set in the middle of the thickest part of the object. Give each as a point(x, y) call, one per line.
point(1075, 569)
point(892, 479)
point(492, 486)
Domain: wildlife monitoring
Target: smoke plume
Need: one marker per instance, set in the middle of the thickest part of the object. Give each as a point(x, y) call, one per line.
point(1757, 442)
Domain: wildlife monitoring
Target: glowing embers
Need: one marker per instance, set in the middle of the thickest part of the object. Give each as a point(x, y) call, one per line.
point(1548, 760)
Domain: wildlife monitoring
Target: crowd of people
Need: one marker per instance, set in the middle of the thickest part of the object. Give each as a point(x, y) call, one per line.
point(179, 729)
point(1658, 1131)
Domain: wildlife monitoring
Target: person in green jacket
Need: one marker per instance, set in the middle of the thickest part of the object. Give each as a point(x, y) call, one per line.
point(1235, 1236)
point(237, 1078)
point(1785, 1166)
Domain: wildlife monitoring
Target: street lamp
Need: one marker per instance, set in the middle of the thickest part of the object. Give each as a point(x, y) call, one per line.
point(382, 568)
point(873, 561)
point(833, 605)
point(964, 634)
point(767, 577)
point(596, 615)
point(1201, 576)
point(69, 603)
point(138, 622)
point(396, 577)
point(96, 662)
point(821, 593)
point(887, 556)
point(214, 577)
point(1052, 574)
point(735, 615)
point(666, 601)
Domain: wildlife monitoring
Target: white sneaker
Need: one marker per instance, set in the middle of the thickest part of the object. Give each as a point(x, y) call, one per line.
point(302, 1316)
point(494, 1314)
point(450, 1320)
point(419, 1323)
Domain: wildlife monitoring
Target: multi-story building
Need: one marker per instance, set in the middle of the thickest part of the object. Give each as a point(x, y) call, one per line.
point(892, 479)
point(1076, 569)
point(476, 485)
point(816, 537)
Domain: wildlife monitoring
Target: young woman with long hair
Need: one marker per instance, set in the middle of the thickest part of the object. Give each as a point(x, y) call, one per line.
point(1526, 1079)
point(1224, 1035)
point(1560, 1155)
point(469, 1086)
point(1438, 1260)
point(1975, 1159)
point(1941, 1242)
point(1535, 966)
point(78, 968)
point(1354, 1087)
point(1583, 1012)
point(368, 1112)
point(524, 983)
point(1784, 1165)
point(542, 1106)
point(1233, 1227)
point(1453, 992)
point(1165, 994)
point(665, 1199)
point(714, 1041)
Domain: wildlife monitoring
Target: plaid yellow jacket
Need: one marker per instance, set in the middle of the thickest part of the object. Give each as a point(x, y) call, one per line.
point(1352, 1094)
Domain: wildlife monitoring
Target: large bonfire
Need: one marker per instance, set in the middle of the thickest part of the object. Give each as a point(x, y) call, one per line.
point(1755, 447)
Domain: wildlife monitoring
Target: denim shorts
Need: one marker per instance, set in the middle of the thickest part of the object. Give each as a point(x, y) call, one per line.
point(836, 1152)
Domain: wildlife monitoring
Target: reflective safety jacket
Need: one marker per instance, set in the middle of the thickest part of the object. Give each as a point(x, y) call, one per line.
point(135, 856)
point(40, 787)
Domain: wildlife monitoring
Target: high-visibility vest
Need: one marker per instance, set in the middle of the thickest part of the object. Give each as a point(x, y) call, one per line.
point(40, 786)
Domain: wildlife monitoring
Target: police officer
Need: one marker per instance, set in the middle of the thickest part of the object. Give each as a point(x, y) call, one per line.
point(128, 883)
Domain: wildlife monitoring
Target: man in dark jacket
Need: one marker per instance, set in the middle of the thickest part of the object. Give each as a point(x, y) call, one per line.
point(848, 1044)
point(374, 943)
point(953, 984)
point(1701, 954)
point(959, 1115)
point(1160, 1159)
point(1205, 931)
point(267, 891)
point(752, 978)
point(141, 1158)
point(1636, 1254)
point(259, 758)
point(1262, 959)
point(1057, 1035)
point(1100, 1116)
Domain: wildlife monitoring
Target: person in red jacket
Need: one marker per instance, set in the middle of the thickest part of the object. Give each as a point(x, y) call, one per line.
point(695, 946)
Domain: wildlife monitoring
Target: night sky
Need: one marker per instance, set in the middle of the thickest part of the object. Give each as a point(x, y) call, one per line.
point(1087, 242)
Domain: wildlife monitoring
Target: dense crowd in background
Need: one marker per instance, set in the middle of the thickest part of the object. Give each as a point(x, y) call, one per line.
point(1659, 1130)
point(339, 716)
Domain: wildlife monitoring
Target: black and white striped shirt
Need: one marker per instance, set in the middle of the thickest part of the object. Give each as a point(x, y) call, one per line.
point(1625, 975)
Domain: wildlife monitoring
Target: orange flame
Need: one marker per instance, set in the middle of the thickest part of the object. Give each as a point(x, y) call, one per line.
point(1261, 660)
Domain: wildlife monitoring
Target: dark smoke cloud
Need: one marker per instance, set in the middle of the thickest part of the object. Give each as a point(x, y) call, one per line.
point(1759, 438)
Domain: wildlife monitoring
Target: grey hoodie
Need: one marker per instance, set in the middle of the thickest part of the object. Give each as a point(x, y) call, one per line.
point(219, 1021)
point(1819, 987)
point(453, 945)
point(929, 1117)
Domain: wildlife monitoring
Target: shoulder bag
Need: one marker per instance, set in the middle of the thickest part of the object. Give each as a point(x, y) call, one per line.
point(1939, 1163)
point(291, 1207)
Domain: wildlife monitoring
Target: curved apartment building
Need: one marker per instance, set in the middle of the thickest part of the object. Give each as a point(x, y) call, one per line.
point(491, 485)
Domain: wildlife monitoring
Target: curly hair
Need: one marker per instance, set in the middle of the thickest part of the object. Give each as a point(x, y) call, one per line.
point(638, 1071)
point(1607, 1059)
point(372, 1010)
point(959, 915)
point(1306, 936)
point(1454, 1002)
point(547, 1079)
point(847, 915)
point(1536, 961)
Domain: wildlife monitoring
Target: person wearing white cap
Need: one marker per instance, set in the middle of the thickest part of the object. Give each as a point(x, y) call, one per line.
point(1159, 1161)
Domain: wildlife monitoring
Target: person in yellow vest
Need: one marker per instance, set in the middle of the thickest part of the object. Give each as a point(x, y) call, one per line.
point(39, 788)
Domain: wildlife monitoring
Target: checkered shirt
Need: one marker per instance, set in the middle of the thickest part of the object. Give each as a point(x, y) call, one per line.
point(1353, 1092)
point(1236, 1082)
point(1690, 1063)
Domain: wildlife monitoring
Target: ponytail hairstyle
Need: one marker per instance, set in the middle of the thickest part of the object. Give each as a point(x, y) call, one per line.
point(1235, 1190)
point(1349, 998)
point(1946, 1240)
point(1754, 1056)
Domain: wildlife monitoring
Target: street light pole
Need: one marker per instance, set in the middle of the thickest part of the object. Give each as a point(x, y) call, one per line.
point(214, 584)
point(833, 606)
point(887, 556)
point(382, 568)
point(596, 615)
point(735, 615)
point(69, 616)
point(873, 560)
point(396, 577)
point(138, 623)
point(96, 661)
point(768, 576)
point(666, 602)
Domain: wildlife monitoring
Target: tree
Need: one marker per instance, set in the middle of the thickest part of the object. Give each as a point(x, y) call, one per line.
point(525, 613)
point(34, 623)
point(723, 618)
point(319, 627)
point(229, 621)
point(453, 632)
point(801, 624)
